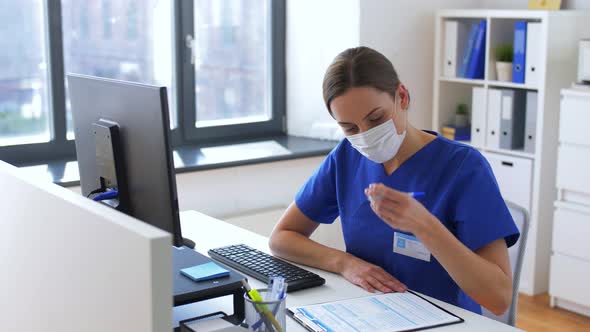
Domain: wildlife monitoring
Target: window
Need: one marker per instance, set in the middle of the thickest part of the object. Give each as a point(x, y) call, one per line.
point(222, 61)
point(147, 57)
point(107, 19)
point(231, 65)
point(83, 16)
point(132, 24)
point(24, 111)
point(235, 84)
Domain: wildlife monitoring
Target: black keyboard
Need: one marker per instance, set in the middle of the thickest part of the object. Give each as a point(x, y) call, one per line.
point(262, 266)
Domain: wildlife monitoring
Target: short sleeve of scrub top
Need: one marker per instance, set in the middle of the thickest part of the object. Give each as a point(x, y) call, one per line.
point(481, 215)
point(317, 198)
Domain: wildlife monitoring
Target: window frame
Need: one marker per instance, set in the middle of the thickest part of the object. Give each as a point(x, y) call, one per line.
point(186, 84)
point(185, 133)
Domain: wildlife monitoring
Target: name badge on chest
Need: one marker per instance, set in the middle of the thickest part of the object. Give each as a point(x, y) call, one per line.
point(409, 245)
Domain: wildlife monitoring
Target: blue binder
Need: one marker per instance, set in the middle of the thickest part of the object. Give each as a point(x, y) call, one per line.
point(468, 50)
point(475, 68)
point(519, 62)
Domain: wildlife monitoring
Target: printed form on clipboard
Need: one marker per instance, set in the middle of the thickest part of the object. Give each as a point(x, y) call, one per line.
point(378, 313)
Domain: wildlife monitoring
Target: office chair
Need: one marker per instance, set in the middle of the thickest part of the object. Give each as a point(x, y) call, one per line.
point(516, 253)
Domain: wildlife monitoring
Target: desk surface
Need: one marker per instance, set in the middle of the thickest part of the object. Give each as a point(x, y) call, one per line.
point(209, 233)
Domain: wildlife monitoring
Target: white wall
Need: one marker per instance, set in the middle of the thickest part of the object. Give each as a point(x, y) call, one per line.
point(316, 32)
point(522, 4)
point(403, 30)
point(252, 197)
point(234, 191)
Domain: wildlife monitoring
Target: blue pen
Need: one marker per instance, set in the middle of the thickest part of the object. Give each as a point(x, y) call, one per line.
point(415, 194)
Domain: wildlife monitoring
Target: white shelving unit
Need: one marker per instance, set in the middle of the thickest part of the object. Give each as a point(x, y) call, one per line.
point(530, 178)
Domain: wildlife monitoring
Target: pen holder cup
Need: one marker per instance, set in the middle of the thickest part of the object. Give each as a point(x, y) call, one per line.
point(267, 316)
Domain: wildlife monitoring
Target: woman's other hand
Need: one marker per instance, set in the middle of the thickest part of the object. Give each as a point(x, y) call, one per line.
point(369, 276)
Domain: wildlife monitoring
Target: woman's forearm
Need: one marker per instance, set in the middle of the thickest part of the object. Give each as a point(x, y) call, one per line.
point(301, 249)
point(483, 281)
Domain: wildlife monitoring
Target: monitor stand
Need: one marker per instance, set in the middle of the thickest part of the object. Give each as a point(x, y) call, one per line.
point(188, 243)
point(187, 291)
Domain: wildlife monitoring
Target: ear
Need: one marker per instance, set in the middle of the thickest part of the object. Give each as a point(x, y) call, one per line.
point(405, 96)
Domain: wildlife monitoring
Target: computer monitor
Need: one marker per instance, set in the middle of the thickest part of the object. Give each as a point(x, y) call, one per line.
point(122, 143)
point(69, 264)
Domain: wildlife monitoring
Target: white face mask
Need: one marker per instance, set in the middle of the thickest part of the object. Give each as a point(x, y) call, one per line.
point(379, 144)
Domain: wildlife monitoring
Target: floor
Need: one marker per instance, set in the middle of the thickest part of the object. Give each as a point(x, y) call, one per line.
point(534, 314)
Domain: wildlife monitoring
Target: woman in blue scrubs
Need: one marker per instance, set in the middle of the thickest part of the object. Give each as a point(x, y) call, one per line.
point(418, 211)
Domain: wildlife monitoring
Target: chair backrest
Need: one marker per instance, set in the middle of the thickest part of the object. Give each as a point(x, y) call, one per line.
point(516, 253)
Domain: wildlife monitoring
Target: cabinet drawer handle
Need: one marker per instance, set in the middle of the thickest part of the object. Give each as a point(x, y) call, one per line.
point(507, 163)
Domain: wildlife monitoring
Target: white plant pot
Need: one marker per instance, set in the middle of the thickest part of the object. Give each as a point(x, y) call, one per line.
point(504, 71)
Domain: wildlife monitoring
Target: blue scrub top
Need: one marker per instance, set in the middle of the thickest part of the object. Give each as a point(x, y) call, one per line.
point(461, 192)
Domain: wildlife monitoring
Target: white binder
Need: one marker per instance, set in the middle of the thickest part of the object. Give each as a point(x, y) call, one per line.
point(530, 130)
point(533, 52)
point(478, 117)
point(494, 112)
point(455, 40)
point(513, 119)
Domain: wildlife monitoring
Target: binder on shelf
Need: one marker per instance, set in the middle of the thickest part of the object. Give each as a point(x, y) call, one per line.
point(478, 117)
point(519, 59)
point(455, 41)
point(512, 119)
point(468, 50)
point(530, 129)
point(533, 38)
point(456, 133)
point(493, 117)
point(475, 66)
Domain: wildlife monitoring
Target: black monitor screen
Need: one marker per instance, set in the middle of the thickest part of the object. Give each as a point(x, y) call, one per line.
point(141, 114)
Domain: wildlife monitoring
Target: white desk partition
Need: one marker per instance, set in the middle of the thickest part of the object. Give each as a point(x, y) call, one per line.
point(210, 233)
point(69, 264)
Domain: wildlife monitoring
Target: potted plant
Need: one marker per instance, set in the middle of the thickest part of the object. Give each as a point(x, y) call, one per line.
point(461, 117)
point(504, 54)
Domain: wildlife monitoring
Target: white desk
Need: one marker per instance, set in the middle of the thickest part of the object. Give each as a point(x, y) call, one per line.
point(209, 233)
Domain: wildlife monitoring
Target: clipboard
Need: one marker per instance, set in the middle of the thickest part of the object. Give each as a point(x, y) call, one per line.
point(314, 325)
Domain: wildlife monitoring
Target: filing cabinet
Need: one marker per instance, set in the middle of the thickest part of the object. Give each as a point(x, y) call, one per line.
point(570, 259)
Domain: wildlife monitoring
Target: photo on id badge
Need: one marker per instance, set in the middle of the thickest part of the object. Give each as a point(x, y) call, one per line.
point(409, 245)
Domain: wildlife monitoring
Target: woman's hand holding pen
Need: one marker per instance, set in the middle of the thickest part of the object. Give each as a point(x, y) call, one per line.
point(399, 209)
point(368, 276)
